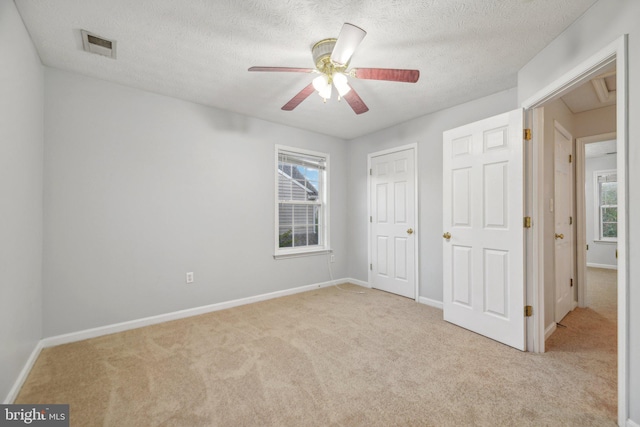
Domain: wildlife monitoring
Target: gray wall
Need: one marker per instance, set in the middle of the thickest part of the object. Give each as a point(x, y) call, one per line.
point(142, 188)
point(21, 145)
point(606, 21)
point(426, 131)
point(600, 253)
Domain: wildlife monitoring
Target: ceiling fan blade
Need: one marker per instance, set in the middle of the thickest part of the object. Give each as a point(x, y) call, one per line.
point(356, 103)
point(348, 40)
point(389, 74)
point(301, 96)
point(286, 69)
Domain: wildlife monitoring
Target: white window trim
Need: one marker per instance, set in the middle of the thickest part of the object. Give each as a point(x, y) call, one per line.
point(280, 253)
point(597, 222)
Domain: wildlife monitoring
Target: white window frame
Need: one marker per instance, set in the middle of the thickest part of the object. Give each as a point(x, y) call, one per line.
point(324, 210)
point(597, 214)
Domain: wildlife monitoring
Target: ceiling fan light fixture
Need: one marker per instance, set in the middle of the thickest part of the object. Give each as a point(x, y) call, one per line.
point(341, 84)
point(323, 86)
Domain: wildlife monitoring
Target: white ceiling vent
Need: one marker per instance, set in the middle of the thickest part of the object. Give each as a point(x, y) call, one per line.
point(96, 44)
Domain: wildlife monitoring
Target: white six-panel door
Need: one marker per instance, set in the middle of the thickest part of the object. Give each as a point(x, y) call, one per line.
point(483, 240)
point(563, 213)
point(392, 197)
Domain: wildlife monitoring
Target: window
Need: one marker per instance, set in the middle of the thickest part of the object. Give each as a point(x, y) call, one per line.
point(606, 197)
point(301, 202)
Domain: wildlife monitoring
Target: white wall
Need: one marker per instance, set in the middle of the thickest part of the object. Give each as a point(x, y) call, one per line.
point(21, 145)
point(142, 188)
point(602, 24)
point(599, 253)
point(427, 132)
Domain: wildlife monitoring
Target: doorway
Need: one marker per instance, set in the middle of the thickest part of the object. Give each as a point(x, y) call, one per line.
point(596, 169)
point(615, 53)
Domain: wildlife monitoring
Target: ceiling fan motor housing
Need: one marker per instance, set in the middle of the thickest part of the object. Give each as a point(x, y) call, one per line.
point(321, 53)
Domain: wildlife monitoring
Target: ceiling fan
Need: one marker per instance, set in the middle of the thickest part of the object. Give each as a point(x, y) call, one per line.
point(332, 57)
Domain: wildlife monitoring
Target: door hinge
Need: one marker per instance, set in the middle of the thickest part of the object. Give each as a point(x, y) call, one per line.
point(570, 158)
point(587, 247)
point(370, 171)
point(527, 135)
point(570, 220)
point(370, 266)
point(528, 311)
point(370, 219)
point(571, 282)
point(527, 222)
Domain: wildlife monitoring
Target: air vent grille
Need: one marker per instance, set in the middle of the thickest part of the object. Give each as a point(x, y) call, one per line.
point(95, 44)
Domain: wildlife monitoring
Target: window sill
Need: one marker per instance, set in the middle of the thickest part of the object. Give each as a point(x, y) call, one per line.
point(610, 242)
point(298, 254)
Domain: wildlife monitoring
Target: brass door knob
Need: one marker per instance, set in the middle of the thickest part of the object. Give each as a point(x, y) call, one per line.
point(410, 231)
point(447, 235)
point(559, 236)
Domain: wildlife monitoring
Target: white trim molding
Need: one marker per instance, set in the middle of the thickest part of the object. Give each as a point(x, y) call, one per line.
point(607, 266)
point(357, 282)
point(550, 330)
point(24, 373)
point(431, 302)
point(631, 423)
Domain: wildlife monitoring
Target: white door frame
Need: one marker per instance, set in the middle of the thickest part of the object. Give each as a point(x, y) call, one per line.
point(581, 214)
point(614, 52)
point(416, 228)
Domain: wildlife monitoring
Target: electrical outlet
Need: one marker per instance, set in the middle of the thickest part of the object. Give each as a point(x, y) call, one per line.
point(190, 277)
point(332, 258)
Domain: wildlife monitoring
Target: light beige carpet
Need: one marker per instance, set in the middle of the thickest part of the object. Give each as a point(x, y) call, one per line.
point(330, 357)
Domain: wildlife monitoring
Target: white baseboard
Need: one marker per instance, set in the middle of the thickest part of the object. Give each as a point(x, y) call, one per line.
point(358, 282)
point(152, 320)
point(632, 423)
point(607, 266)
point(24, 373)
point(430, 302)
point(550, 329)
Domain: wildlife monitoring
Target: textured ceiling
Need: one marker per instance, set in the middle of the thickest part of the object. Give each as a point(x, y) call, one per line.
point(200, 50)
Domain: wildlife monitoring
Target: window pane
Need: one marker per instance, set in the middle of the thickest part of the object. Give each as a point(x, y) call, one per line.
point(609, 214)
point(609, 193)
point(300, 236)
point(300, 215)
point(285, 237)
point(313, 236)
point(609, 229)
point(285, 215)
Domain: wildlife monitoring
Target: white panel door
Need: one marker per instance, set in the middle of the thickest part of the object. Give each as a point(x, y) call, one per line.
point(563, 213)
point(392, 223)
point(483, 244)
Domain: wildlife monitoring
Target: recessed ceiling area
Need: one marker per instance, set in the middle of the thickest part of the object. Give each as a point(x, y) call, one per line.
point(598, 92)
point(200, 51)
